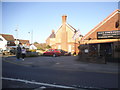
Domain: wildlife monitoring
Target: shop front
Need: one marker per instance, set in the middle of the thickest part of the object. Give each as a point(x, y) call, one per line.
point(104, 39)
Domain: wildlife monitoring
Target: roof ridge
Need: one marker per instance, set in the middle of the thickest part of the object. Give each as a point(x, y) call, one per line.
point(8, 37)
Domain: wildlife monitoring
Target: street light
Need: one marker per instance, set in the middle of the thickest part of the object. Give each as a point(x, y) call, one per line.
point(31, 36)
point(75, 42)
point(16, 37)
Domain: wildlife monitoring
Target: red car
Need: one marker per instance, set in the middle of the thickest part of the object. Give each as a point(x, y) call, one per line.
point(52, 52)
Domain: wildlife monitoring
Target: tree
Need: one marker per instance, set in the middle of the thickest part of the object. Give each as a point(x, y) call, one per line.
point(36, 43)
point(48, 46)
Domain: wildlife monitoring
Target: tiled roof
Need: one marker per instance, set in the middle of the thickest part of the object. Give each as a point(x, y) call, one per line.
point(101, 23)
point(52, 35)
point(23, 41)
point(8, 37)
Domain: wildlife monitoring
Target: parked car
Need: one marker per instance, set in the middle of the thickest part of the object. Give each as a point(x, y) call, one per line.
point(12, 51)
point(64, 53)
point(52, 52)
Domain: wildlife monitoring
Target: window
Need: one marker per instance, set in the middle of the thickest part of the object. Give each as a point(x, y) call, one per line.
point(59, 46)
point(8, 42)
point(117, 24)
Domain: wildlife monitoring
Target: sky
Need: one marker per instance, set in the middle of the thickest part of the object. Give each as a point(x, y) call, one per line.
point(40, 18)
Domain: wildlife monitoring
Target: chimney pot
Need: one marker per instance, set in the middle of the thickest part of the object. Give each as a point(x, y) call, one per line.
point(64, 17)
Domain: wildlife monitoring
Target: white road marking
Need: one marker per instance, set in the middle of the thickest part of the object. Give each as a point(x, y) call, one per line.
point(38, 83)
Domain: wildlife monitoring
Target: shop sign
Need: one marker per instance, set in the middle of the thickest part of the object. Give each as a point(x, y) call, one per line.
point(108, 34)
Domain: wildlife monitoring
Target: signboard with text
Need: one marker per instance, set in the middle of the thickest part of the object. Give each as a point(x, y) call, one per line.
point(108, 34)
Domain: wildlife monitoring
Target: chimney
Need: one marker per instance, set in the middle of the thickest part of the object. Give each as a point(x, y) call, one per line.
point(53, 31)
point(64, 17)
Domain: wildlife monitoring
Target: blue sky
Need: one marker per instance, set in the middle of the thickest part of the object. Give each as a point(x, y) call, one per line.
point(42, 17)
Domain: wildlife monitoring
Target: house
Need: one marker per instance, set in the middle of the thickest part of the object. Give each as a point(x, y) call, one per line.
point(63, 38)
point(51, 39)
point(6, 40)
point(24, 43)
point(33, 47)
point(104, 39)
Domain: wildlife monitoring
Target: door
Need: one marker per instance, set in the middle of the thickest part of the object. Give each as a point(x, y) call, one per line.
point(69, 48)
point(106, 49)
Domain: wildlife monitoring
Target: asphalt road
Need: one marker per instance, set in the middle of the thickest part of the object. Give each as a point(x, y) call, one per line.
point(51, 76)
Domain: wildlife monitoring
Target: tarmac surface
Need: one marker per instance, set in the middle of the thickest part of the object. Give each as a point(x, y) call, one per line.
point(74, 72)
point(64, 63)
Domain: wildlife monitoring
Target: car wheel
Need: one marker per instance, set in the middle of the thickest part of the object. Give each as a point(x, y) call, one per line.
point(54, 55)
point(43, 54)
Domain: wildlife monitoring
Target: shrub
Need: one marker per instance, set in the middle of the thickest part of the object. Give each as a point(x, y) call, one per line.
point(32, 54)
point(32, 50)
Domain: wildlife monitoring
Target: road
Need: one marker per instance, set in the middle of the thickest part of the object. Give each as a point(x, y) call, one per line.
point(48, 77)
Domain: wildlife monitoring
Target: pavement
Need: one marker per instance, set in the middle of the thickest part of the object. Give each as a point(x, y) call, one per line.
point(63, 63)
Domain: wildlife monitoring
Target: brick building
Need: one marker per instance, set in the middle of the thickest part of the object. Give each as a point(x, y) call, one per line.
point(62, 39)
point(104, 39)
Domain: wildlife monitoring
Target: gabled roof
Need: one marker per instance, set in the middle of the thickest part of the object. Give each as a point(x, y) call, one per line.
point(69, 26)
point(23, 41)
point(101, 23)
point(73, 29)
point(7, 37)
point(52, 35)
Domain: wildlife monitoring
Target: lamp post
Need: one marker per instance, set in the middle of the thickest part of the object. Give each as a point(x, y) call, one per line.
point(16, 36)
point(75, 42)
point(75, 36)
point(31, 36)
